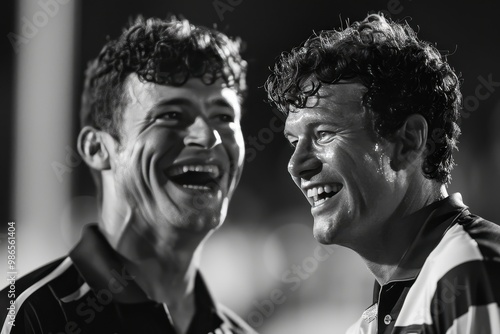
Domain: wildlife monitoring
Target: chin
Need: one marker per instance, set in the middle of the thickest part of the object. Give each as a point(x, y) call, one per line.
point(323, 233)
point(209, 225)
point(325, 239)
point(329, 232)
point(200, 221)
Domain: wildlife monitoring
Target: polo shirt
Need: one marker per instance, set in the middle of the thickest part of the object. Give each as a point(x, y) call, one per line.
point(90, 291)
point(448, 281)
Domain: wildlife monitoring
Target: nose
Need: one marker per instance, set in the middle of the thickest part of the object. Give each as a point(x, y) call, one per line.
point(304, 163)
point(201, 134)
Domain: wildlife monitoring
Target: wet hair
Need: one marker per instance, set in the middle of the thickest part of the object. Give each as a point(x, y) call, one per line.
point(165, 52)
point(403, 76)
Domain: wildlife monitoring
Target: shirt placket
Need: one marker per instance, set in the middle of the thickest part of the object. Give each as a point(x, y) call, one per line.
point(391, 299)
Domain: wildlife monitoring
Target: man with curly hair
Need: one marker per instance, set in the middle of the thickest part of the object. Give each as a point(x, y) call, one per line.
point(161, 133)
point(372, 116)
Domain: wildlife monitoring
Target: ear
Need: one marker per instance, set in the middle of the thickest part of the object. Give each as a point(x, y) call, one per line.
point(92, 148)
point(409, 142)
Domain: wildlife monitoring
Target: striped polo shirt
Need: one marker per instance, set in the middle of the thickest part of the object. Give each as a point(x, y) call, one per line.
point(447, 282)
point(91, 292)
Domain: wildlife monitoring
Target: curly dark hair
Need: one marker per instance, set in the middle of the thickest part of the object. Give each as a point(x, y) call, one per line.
point(166, 52)
point(403, 76)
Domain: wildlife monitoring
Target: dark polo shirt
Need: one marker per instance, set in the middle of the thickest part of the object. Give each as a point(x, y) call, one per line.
point(90, 291)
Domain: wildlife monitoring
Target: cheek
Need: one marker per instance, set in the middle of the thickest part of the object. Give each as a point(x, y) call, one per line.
point(155, 148)
point(382, 164)
point(385, 169)
point(368, 165)
point(342, 156)
point(240, 143)
point(234, 143)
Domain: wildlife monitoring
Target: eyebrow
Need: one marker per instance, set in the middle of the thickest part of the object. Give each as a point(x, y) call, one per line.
point(181, 101)
point(219, 101)
point(178, 101)
point(152, 112)
point(314, 125)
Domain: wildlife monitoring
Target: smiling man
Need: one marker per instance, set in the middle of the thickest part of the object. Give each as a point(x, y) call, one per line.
point(161, 134)
point(372, 116)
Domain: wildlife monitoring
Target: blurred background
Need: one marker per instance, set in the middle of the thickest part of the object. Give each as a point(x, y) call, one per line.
point(263, 263)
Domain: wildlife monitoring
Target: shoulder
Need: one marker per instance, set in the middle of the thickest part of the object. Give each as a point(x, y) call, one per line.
point(236, 324)
point(36, 294)
point(470, 248)
point(470, 239)
point(469, 252)
point(460, 280)
point(486, 235)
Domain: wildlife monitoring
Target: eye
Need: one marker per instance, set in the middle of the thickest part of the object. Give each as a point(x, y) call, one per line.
point(171, 115)
point(293, 142)
point(224, 118)
point(324, 137)
point(168, 116)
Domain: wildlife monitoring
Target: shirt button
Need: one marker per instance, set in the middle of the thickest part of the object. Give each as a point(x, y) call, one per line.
point(387, 319)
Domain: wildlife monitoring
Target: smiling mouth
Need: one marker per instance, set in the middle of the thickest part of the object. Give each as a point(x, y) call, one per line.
point(197, 177)
point(320, 194)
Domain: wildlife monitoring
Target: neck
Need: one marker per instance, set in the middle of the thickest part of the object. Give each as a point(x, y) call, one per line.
point(165, 273)
point(158, 254)
point(166, 276)
point(162, 258)
point(383, 253)
point(165, 270)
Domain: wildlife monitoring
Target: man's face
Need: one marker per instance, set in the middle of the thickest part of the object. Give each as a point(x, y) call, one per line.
point(341, 166)
point(180, 155)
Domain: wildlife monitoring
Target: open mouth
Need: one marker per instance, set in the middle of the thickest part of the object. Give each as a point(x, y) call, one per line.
point(197, 177)
point(322, 193)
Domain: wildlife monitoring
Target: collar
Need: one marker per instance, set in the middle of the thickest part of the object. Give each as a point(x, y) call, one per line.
point(437, 218)
point(102, 268)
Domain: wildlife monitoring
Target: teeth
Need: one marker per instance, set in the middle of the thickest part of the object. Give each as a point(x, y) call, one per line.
point(212, 169)
point(314, 192)
point(191, 186)
point(316, 203)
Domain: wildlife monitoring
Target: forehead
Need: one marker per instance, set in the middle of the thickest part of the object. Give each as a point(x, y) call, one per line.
point(339, 103)
point(146, 95)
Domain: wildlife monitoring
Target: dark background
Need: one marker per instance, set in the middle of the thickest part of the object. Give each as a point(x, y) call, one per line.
point(469, 31)
point(266, 198)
